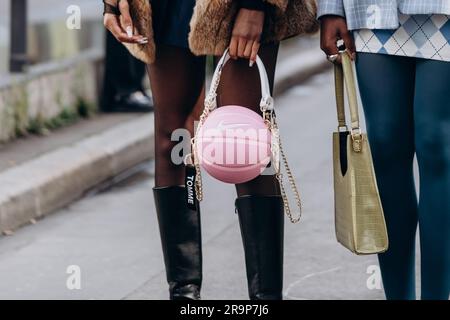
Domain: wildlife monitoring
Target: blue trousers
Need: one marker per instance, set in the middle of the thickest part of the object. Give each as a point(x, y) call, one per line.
point(407, 107)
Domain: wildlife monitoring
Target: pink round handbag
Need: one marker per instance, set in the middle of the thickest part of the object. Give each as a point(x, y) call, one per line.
point(235, 144)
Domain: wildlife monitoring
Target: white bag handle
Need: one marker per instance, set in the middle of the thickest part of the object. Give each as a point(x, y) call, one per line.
point(266, 103)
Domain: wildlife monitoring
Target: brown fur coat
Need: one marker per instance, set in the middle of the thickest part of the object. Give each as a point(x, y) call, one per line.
point(212, 24)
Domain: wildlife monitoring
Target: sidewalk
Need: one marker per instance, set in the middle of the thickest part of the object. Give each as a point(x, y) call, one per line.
point(72, 162)
point(63, 167)
point(113, 236)
point(316, 266)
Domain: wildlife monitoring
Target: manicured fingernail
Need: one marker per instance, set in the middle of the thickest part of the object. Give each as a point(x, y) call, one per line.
point(129, 32)
point(251, 63)
point(143, 42)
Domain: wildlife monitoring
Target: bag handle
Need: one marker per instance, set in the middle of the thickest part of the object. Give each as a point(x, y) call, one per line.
point(266, 103)
point(266, 106)
point(340, 99)
point(344, 74)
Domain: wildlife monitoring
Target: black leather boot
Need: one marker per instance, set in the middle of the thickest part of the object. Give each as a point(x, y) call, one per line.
point(181, 242)
point(262, 227)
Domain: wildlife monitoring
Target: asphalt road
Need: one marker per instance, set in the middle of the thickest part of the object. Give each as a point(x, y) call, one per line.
point(112, 237)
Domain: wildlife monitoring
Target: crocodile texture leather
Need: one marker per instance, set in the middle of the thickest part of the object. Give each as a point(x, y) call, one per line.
point(359, 217)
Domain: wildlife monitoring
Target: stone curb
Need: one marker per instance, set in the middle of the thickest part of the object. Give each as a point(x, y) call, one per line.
point(53, 180)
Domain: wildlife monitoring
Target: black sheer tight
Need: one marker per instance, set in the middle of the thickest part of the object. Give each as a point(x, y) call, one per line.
point(177, 79)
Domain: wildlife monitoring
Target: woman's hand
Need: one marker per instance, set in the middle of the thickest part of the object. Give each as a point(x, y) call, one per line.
point(246, 35)
point(122, 26)
point(334, 28)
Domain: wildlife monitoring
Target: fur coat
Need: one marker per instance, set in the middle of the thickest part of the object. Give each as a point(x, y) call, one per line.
point(212, 24)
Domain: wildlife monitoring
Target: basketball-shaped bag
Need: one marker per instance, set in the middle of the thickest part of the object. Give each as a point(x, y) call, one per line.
point(235, 144)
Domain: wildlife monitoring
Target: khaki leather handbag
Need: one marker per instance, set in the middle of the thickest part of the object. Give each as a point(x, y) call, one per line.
point(360, 224)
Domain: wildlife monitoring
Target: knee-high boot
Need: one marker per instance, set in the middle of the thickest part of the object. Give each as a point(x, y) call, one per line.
point(261, 219)
point(181, 242)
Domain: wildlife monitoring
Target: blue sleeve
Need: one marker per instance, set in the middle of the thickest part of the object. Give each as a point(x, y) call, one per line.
point(330, 7)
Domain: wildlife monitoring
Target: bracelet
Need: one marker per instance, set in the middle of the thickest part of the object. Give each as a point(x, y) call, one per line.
point(109, 8)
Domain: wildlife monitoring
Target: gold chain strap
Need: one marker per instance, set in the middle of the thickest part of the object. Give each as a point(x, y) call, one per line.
point(198, 174)
point(210, 104)
point(278, 150)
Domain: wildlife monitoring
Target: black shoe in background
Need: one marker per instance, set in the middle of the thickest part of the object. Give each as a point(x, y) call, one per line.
point(123, 90)
point(134, 102)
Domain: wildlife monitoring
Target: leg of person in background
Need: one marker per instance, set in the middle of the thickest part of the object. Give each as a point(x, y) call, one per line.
point(432, 124)
point(259, 204)
point(122, 85)
point(387, 90)
point(137, 72)
point(177, 80)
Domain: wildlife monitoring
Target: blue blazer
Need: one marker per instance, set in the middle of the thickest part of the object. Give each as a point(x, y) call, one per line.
point(379, 14)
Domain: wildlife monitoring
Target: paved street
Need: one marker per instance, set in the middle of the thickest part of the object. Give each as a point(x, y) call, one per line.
point(113, 236)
